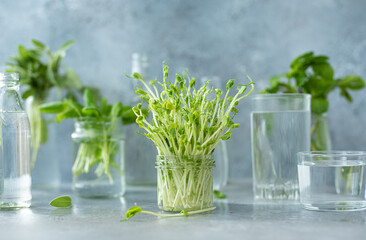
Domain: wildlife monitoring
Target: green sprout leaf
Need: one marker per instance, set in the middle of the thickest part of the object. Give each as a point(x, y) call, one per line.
point(61, 202)
point(132, 212)
point(219, 194)
point(137, 76)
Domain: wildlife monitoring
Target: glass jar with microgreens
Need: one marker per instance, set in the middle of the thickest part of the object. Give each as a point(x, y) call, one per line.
point(98, 169)
point(186, 125)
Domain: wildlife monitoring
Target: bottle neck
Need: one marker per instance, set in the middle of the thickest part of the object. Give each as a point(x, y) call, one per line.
point(10, 99)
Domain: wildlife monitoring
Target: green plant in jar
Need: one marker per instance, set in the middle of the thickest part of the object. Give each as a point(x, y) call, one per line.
point(40, 70)
point(186, 126)
point(99, 148)
point(314, 75)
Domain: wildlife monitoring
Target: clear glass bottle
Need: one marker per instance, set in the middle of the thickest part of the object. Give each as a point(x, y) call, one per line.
point(138, 148)
point(185, 182)
point(15, 177)
point(98, 169)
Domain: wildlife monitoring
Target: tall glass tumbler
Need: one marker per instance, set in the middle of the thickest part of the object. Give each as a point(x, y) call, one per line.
point(280, 127)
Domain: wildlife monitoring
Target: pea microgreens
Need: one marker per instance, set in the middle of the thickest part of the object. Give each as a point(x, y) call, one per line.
point(185, 121)
point(100, 148)
point(135, 210)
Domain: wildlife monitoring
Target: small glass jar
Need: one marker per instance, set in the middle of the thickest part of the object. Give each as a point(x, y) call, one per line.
point(15, 176)
point(185, 182)
point(98, 169)
point(319, 180)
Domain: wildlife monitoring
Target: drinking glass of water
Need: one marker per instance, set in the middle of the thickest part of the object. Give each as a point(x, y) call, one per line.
point(333, 180)
point(280, 127)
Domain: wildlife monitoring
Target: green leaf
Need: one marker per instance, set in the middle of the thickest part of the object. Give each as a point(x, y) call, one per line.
point(274, 80)
point(72, 79)
point(23, 52)
point(324, 70)
point(352, 82)
point(89, 100)
point(219, 194)
point(63, 201)
point(346, 94)
point(184, 212)
point(301, 59)
point(137, 76)
point(69, 113)
point(90, 111)
point(230, 84)
point(76, 107)
point(26, 94)
point(53, 107)
point(66, 45)
point(132, 212)
point(319, 105)
point(226, 136)
point(38, 44)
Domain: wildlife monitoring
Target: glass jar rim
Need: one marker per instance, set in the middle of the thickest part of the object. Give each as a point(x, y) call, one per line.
point(332, 158)
point(9, 76)
point(281, 95)
point(333, 153)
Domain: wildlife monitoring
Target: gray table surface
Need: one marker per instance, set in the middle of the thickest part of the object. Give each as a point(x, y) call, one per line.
point(237, 217)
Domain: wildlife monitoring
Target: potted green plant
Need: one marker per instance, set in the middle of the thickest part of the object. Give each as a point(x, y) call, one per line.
point(40, 71)
point(314, 75)
point(186, 126)
point(98, 169)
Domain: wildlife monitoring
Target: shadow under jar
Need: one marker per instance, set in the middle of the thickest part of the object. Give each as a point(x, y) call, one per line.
point(98, 169)
point(185, 182)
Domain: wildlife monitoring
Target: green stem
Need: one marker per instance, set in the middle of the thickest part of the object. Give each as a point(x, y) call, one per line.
point(179, 214)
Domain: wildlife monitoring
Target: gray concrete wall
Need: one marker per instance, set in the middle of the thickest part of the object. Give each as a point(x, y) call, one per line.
point(209, 37)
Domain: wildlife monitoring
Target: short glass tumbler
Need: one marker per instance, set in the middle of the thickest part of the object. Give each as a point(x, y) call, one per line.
point(98, 169)
point(185, 182)
point(280, 127)
point(321, 174)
